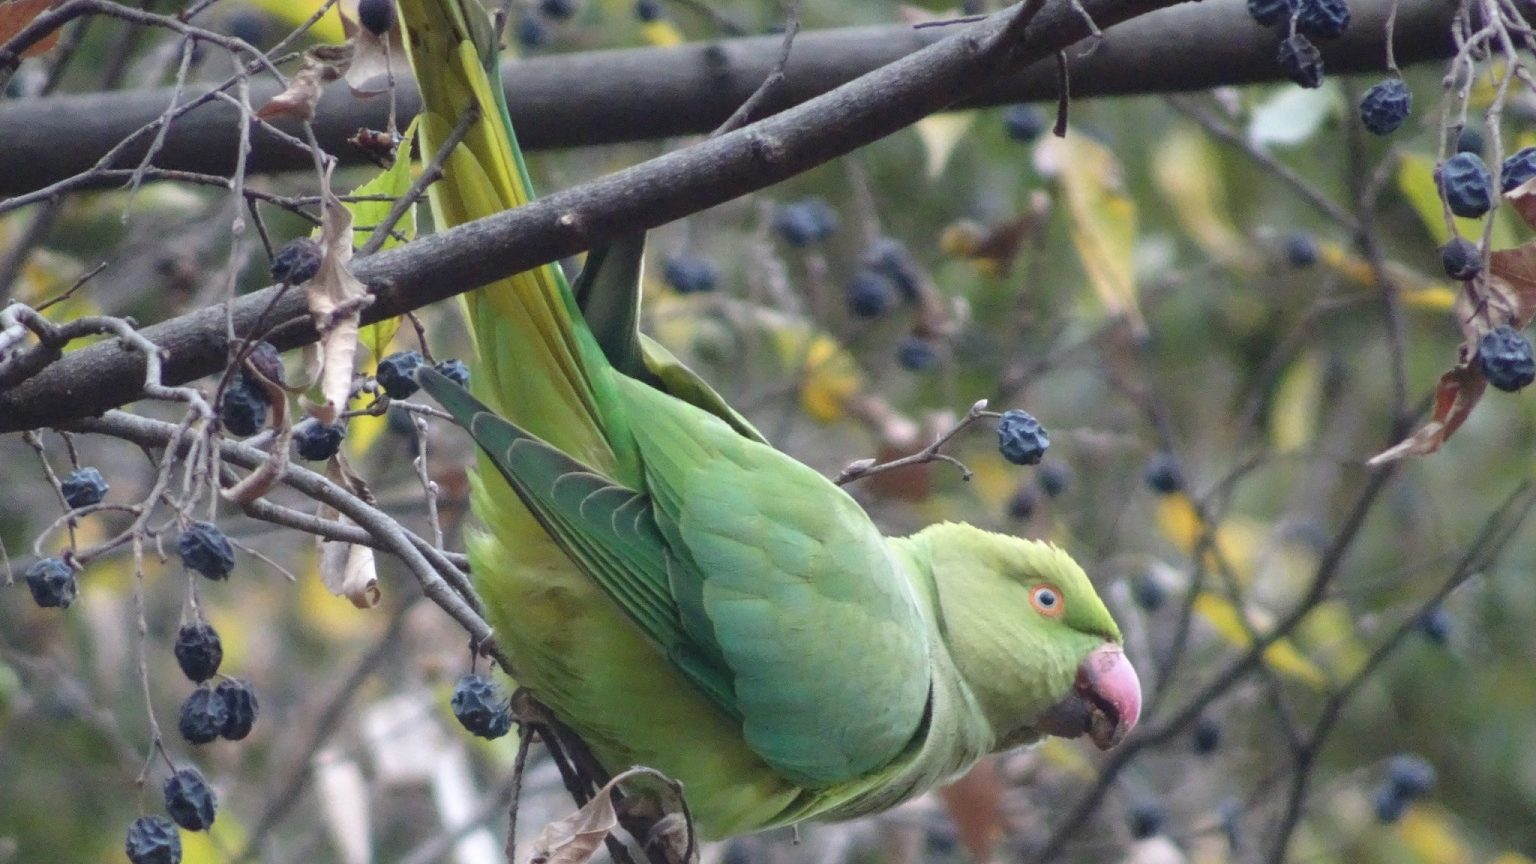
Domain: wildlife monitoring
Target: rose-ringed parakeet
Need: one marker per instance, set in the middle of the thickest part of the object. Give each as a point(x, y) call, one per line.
point(688, 598)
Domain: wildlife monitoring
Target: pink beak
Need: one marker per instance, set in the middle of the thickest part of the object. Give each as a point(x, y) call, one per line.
point(1105, 701)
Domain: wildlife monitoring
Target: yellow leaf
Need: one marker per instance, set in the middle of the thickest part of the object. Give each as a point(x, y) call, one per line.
point(662, 33)
point(200, 847)
point(831, 378)
point(1282, 655)
point(1236, 539)
point(296, 12)
point(1185, 167)
point(1102, 215)
point(1431, 836)
point(940, 134)
point(1293, 420)
point(1431, 298)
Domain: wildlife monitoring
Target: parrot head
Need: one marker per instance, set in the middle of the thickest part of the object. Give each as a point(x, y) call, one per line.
point(1031, 638)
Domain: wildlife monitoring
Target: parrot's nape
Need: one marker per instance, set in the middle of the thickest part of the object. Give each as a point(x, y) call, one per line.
point(688, 598)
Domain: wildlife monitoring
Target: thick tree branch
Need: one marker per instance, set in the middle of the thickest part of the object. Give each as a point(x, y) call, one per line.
point(638, 94)
point(709, 173)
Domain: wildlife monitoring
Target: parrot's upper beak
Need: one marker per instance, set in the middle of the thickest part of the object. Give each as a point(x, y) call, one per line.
point(1105, 701)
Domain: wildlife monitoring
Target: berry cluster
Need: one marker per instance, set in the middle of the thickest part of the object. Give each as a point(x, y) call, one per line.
point(1409, 778)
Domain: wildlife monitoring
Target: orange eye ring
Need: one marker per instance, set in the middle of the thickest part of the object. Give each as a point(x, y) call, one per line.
point(1047, 600)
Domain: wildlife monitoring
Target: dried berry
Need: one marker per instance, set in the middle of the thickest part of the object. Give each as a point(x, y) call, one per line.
point(1148, 592)
point(1466, 185)
point(52, 583)
point(1270, 12)
point(1385, 106)
point(376, 15)
point(204, 548)
point(198, 650)
point(297, 262)
point(240, 708)
point(890, 257)
point(263, 357)
point(531, 32)
point(917, 354)
point(454, 370)
point(316, 442)
point(480, 707)
point(1163, 475)
point(558, 9)
point(1435, 624)
point(1470, 140)
point(1024, 122)
point(870, 293)
point(243, 410)
point(1146, 818)
point(397, 374)
point(153, 840)
point(1518, 168)
point(1505, 357)
point(1053, 478)
point(690, 274)
point(802, 223)
point(83, 487)
point(1461, 259)
point(649, 10)
point(190, 800)
point(1389, 804)
point(1021, 505)
point(1301, 61)
point(202, 717)
point(1207, 735)
point(1411, 776)
point(1020, 438)
point(1322, 19)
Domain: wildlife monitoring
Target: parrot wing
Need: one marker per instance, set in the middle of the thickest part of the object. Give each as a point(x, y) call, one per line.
point(746, 572)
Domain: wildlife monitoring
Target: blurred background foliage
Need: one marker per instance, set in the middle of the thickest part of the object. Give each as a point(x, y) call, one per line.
point(1168, 305)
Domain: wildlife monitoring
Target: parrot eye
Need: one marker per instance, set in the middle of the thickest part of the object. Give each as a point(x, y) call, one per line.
point(1046, 599)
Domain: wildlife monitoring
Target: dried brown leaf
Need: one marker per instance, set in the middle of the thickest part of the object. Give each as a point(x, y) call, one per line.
point(1455, 397)
point(347, 569)
point(577, 837)
point(1512, 287)
point(336, 300)
point(1523, 199)
point(17, 14)
point(301, 97)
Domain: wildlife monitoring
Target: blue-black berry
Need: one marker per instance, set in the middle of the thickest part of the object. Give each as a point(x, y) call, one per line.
point(204, 548)
point(1021, 505)
point(202, 717)
point(480, 707)
point(1020, 438)
point(1270, 12)
point(397, 374)
point(1163, 474)
point(870, 293)
point(690, 274)
point(1435, 624)
point(153, 840)
point(190, 800)
point(890, 257)
point(1388, 804)
point(531, 32)
point(240, 708)
point(247, 25)
point(243, 410)
point(376, 15)
point(1206, 735)
point(1410, 776)
point(297, 262)
point(1466, 185)
point(1385, 106)
point(558, 9)
point(917, 354)
point(1053, 478)
point(1470, 140)
point(263, 357)
point(801, 223)
point(1024, 122)
point(1505, 357)
point(316, 442)
point(1322, 19)
point(52, 583)
point(1301, 61)
point(454, 370)
point(649, 10)
point(1146, 819)
point(1148, 591)
point(1461, 259)
point(198, 650)
point(1300, 249)
point(1519, 167)
point(83, 487)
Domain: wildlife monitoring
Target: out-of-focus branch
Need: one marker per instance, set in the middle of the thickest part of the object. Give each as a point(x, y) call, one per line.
point(641, 94)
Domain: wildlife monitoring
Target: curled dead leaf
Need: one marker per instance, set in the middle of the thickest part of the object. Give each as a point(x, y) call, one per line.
point(336, 300)
point(261, 481)
point(1455, 397)
point(302, 95)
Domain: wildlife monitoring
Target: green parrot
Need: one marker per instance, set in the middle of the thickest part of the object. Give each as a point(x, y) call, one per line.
point(688, 598)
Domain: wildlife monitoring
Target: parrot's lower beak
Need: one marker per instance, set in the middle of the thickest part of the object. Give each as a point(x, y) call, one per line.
point(1105, 701)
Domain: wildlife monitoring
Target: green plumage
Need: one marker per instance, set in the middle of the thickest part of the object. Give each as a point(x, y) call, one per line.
point(680, 593)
